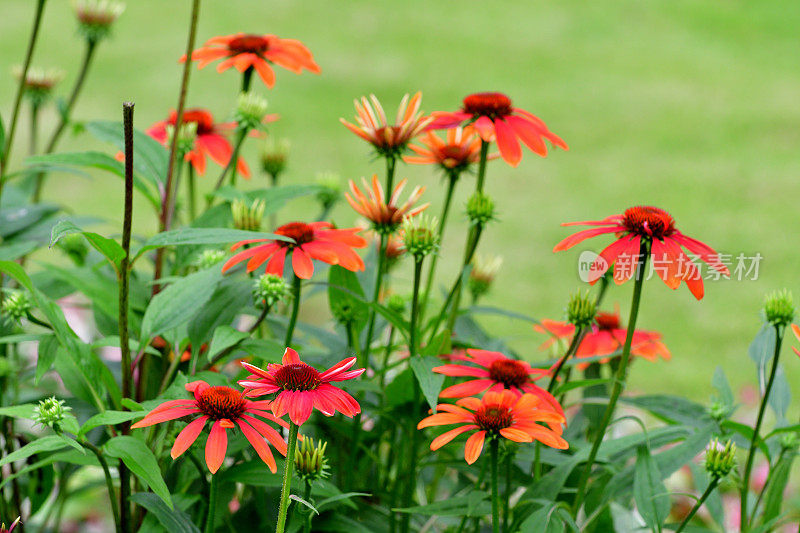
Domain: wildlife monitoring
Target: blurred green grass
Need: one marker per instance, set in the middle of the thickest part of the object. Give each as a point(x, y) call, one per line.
point(689, 105)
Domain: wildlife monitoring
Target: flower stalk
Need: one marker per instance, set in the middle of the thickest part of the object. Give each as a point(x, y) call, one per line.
point(213, 489)
point(699, 503)
point(494, 445)
point(287, 478)
point(451, 185)
point(376, 293)
point(296, 286)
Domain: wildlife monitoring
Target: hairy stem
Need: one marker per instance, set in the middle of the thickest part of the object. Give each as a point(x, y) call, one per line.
point(287, 477)
point(711, 486)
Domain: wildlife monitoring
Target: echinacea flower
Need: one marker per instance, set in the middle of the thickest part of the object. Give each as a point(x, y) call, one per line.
point(494, 372)
point(606, 337)
point(495, 119)
point(317, 240)
point(456, 152)
point(385, 216)
point(796, 331)
point(389, 140)
point(225, 408)
point(649, 225)
point(258, 52)
point(497, 414)
point(301, 388)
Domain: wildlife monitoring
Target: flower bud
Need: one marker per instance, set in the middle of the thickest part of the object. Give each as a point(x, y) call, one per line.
point(247, 216)
point(270, 289)
point(345, 314)
point(484, 270)
point(330, 190)
point(394, 250)
point(187, 134)
point(16, 306)
point(789, 441)
point(251, 109)
point(480, 209)
point(396, 304)
point(720, 459)
point(420, 235)
point(718, 411)
point(310, 462)
point(50, 412)
point(39, 83)
point(95, 17)
point(779, 308)
point(209, 258)
point(74, 245)
point(273, 156)
point(581, 310)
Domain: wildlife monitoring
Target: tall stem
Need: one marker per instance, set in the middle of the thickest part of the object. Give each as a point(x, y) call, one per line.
point(212, 504)
point(494, 444)
point(287, 477)
point(482, 166)
point(247, 77)
point(295, 309)
point(472, 245)
point(391, 163)
point(619, 379)
point(376, 293)
point(34, 133)
point(109, 483)
point(711, 486)
point(191, 193)
point(745, 524)
point(165, 219)
point(307, 497)
point(507, 492)
point(451, 185)
point(240, 136)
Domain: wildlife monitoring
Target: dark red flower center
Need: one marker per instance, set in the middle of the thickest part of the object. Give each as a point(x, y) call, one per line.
point(607, 321)
point(453, 155)
point(221, 402)
point(297, 377)
point(253, 44)
point(493, 417)
point(201, 117)
point(490, 105)
point(299, 231)
point(508, 372)
point(648, 221)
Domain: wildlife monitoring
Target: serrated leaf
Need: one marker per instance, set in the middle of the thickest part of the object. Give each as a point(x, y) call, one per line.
point(650, 494)
point(141, 461)
point(173, 520)
point(430, 382)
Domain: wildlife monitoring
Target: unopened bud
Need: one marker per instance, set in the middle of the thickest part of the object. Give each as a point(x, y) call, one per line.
point(209, 258)
point(187, 134)
point(39, 83)
point(16, 306)
point(248, 215)
point(330, 189)
point(396, 304)
point(310, 462)
point(95, 17)
point(779, 308)
point(74, 245)
point(274, 153)
point(581, 310)
point(484, 270)
point(720, 459)
point(718, 411)
point(420, 235)
point(789, 441)
point(270, 289)
point(50, 412)
point(251, 109)
point(480, 209)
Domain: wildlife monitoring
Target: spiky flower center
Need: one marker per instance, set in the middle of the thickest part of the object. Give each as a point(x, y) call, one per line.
point(490, 105)
point(221, 403)
point(648, 221)
point(253, 44)
point(453, 155)
point(493, 417)
point(508, 372)
point(299, 231)
point(607, 321)
point(202, 118)
point(297, 377)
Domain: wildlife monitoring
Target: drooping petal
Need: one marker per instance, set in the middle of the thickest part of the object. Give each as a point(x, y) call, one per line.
point(446, 437)
point(507, 142)
point(461, 370)
point(216, 446)
point(261, 447)
point(473, 447)
point(468, 388)
point(581, 236)
point(302, 264)
point(187, 436)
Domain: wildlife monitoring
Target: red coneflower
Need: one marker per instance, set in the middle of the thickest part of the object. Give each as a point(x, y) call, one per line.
point(796, 331)
point(495, 372)
point(656, 227)
point(244, 51)
point(606, 337)
point(461, 148)
point(498, 414)
point(385, 215)
point(301, 388)
point(388, 139)
point(226, 408)
point(317, 240)
point(495, 119)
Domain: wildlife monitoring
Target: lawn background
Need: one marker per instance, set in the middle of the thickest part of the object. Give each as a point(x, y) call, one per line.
point(690, 105)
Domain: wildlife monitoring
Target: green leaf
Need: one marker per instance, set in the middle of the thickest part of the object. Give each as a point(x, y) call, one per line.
point(401, 389)
point(440, 344)
point(570, 385)
point(150, 158)
point(673, 409)
point(141, 461)
point(776, 486)
point(19, 218)
point(225, 337)
point(48, 349)
point(192, 236)
point(650, 494)
point(231, 296)
point(179, 302)
point(300, 500)
point(110, 248)
point(761, 351)
point(252, 473)
point(458, 506)
point(2, 139)
point(19, 411)
point(109, 418)
point(545, 520)
point(430, 382)
point(780, 397)
point(40, 445)
point(15, 250)
point(173, 520)
point(345, 292)
point(340, 497)
point(722, 386)
point(274, 197)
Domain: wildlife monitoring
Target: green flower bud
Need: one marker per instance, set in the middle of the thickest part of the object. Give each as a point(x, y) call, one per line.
point(789, 441)
point(187, 134)
point(779, 308)
point(39, 83)
point(6, 367)
point(396, 304)
point(74, 245)
point(718, 411)
point(420, 235)
point(248, 216)
point(250, 111)
point(16, 306)
point(720, 459)
point(345, 313)
point(209, 258)
point(50, 412)
point(310, 462)
point(480, 209)
point(581, 310)
point(330, 190)
point(273, 156)
point(269, 289)
point(484, 270)
point(95, 17)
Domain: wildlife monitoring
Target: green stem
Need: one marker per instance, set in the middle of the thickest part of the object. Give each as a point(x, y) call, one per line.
point(745, 524)
point(376, 293)
point(495, 486)
point(482, 166)
point(240, 136)
point(391, 163)
point(295, 309)
point(247, 78)
point(451, 185)
point(287, 477)
point(307, 497)
point(190, 191)
point(573, 347)
point(212, 504)
point(109, 482)
point(34, 133)
point(472, 245)
point(711, 486)
point(507, 494)
point(619, 381)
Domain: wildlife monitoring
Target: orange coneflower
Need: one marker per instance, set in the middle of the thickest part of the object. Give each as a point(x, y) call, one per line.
point(498, 414)
point(385, 216)
point(257, 52)
point(649, 225)
point(461, 148)
point(606, 337)
point(317, 240)
point(495, 372)
point(226, 408)
point(495, 119)
point(796, 331)
point(388, 139)
point(301, 388)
